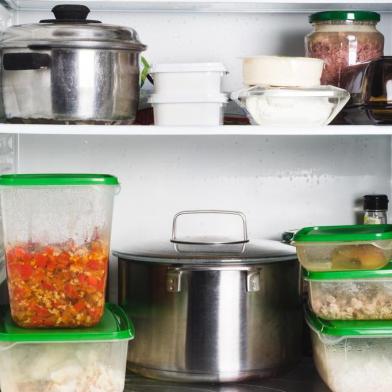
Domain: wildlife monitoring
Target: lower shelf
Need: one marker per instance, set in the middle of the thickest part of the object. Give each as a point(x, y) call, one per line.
point(227, 130)
point(303, 378)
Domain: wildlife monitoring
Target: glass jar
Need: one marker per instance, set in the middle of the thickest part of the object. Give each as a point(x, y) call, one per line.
point(343, 39)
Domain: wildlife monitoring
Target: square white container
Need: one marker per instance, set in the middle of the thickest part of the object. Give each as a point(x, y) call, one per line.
point(182, 111)
point(188, 78)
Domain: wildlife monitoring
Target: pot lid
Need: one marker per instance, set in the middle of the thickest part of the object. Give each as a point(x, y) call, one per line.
point(255, 251)
point(209, 250)
point(71, 28)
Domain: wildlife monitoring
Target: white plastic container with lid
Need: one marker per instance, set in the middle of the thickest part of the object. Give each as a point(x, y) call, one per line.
point(352, 356)
point(65, 360)
point(188, 110)
point(282, 71)
point(188, 78)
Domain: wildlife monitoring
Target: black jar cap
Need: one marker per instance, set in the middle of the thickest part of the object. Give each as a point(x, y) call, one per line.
point(375, 202)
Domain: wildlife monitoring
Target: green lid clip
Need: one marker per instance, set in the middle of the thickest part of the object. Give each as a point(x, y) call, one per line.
point(57, 179)
point(351, 233)
point(113, 326)
point(346, 329)
point(382, 273)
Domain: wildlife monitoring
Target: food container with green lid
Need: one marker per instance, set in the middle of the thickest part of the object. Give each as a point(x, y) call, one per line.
point(66, 360)
point(56, 236)
point(351, 294)
point(339, 248)
point(352, 356)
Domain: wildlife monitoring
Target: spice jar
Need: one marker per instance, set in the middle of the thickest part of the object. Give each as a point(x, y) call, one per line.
point(343, 39)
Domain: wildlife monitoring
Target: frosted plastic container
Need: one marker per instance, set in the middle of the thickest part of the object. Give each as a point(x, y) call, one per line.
point(57, 236)
point(188, 78)
point(188, 111)
point(289, 106)
point(353, 356)
point(72, 360)
point(351, 295)
point(337, 248)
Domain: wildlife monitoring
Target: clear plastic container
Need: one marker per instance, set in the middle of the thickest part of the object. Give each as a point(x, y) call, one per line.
point(343, 39)
point(289, 106)
point(67, 360)
point(188, 78)
point(57, 236)
point(351, 295)
point(339, 248)
point(353, 356)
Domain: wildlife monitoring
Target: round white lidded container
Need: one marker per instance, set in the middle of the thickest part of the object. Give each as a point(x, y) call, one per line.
point(188, 110)
point(188, 78)
point(282, 71)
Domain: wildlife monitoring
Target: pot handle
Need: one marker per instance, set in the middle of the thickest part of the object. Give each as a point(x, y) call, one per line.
point(175, 240)
point(25, 61)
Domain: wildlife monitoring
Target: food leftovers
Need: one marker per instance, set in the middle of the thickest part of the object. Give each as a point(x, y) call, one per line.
point(59, 285)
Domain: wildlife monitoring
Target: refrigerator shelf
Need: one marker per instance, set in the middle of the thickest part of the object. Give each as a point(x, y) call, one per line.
point(209, 5)
point(225, 130)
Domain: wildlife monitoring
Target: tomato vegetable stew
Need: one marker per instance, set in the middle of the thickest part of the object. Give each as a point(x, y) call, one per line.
point(60, 285)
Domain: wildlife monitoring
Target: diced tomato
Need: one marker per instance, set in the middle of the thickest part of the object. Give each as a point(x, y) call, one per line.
point(94, 265)
point(79, 306)
point(70, 291)
point(46, 285)
point(41, 260)
point(25, 270)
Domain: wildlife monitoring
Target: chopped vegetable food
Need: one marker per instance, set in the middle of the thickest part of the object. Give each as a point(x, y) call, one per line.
point(61, 285)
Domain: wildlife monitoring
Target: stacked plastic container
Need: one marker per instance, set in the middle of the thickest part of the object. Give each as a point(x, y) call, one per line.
point(188, 94)
point(58, 332)
point(349, 273)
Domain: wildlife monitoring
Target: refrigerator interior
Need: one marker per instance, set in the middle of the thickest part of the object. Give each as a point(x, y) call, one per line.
point(278, 182)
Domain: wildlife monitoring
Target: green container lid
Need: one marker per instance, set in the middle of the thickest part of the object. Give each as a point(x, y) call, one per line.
point(385, 272)
point(57, 179)
point(344, 233)
point(360, 16)
point(349, 328)
point(114, 325)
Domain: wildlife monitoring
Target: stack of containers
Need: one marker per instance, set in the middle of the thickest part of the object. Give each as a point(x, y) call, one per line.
point(188, 94)
point(59, 333)
point(349, 272)
point(286, 91)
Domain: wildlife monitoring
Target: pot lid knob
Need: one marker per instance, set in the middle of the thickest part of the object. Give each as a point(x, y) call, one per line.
point(70, 13)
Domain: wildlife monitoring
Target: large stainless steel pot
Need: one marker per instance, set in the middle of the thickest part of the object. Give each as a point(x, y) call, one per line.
point(70, 69)
point(212, 312)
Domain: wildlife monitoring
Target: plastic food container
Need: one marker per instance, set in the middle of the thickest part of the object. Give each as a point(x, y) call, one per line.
point(337, 248)
point(191, 110)
point(282, 106)
point(188, 78)
point(57, 236)
point(351, 295)
point(343, 39)
point(282, 71)
point(66, 360)
point(353, 356)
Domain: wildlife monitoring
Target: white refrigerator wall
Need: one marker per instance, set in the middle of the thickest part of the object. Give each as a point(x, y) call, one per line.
point(279, 182)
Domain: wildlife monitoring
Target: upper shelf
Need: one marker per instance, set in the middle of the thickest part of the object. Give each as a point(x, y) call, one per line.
point(209, 5)
point(229, 130)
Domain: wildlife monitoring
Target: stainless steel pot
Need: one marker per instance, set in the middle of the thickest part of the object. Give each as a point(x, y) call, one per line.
point(70, 69)
point(208, 311)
